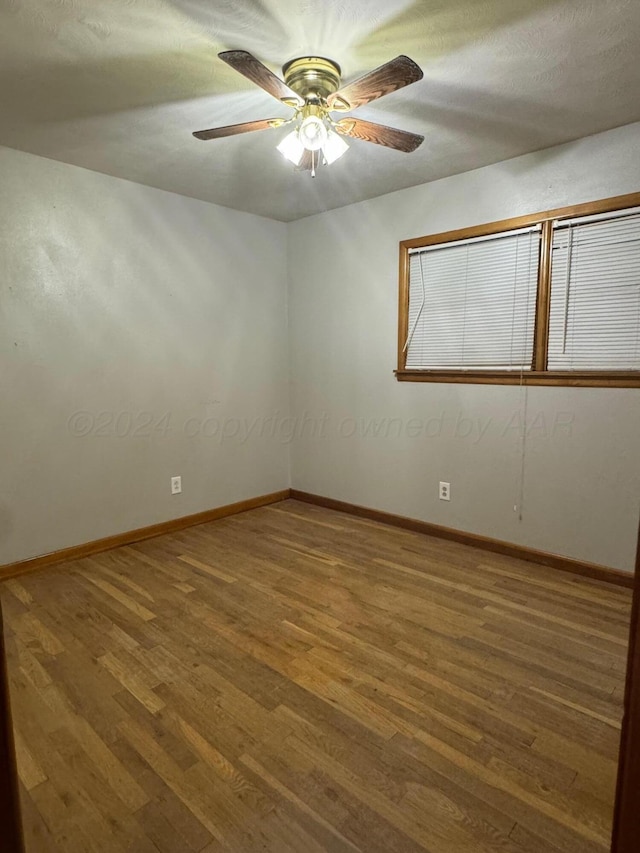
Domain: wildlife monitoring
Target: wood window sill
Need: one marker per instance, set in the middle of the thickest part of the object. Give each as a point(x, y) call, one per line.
point(589, 379)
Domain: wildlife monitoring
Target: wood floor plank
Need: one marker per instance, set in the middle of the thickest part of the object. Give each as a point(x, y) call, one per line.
point(295, 679)
point(298, 803)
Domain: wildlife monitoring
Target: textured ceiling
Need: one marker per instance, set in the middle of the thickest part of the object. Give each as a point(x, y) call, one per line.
point(118, 87)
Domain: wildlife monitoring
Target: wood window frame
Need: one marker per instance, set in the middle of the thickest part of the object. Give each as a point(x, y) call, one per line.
point(539, 374)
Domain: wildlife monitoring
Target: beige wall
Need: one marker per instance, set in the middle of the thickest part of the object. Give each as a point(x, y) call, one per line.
point(577, 486)
point(120, 299)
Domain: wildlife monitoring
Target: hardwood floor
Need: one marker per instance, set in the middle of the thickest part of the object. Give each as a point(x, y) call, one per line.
point(296, 679)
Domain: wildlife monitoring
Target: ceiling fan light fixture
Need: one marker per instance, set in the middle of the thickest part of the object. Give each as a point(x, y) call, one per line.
point(292, 148)
point(334, 147)
point(313, 133)
point(312, 89)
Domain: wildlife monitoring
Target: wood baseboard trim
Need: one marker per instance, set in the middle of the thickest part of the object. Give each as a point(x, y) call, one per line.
point(496, 546)
point(77, 552)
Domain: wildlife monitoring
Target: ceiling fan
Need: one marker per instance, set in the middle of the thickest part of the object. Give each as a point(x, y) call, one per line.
point(311, 86)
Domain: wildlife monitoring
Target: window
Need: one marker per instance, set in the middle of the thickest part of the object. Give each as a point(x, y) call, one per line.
point(472, 303)
point(552, 298)
point(595, 294)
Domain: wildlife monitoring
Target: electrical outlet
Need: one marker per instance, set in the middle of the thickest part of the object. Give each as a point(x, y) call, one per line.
point(176, 485)
point(445, 491)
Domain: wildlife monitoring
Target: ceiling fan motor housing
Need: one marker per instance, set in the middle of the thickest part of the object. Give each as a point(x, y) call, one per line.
point(312, 77)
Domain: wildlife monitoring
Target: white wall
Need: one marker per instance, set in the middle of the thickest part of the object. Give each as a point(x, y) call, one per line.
point(121, 299)
point(581, 487)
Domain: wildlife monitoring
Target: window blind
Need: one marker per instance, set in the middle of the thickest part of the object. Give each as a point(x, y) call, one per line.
point(595, 294)
point(472, 303)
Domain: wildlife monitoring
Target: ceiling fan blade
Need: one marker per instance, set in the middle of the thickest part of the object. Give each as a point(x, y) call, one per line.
point(393, 75)
point(401, 140)
point(234, 129)
point(251, 68)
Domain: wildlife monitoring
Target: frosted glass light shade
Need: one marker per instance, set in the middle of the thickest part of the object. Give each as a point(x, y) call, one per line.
point(292, 148)
point(334, 147)
point(313, 133)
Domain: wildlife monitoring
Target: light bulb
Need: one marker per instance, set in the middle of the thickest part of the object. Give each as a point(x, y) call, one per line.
point(334, 147)
point(292, 148)
point(312, 133)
